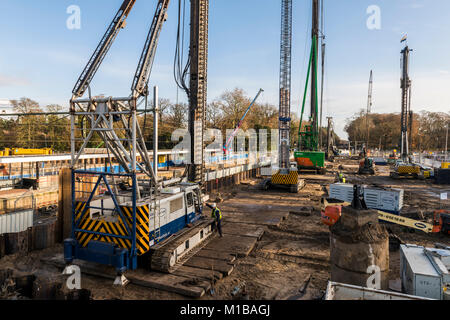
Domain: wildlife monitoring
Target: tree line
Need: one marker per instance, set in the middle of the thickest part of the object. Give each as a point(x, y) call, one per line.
point(224, 112)
point(428, 131)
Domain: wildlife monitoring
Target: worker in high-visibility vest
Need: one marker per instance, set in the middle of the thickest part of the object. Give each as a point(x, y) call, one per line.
point(340, 176)
point(217, 215)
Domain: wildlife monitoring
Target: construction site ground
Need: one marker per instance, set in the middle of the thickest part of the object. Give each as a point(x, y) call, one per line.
point(274, 246)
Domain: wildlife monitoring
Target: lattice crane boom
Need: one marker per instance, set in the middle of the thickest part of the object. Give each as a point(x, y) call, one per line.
point(141, 77)
point(119, 22)
point(406, 93)
point(198, 85)
point(284, 124)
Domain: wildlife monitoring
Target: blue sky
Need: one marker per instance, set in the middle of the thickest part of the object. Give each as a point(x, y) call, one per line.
point(41, 58)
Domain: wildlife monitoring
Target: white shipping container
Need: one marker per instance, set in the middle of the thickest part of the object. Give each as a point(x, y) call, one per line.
point(422, 275)
point(16, 221)
point(390, 200)
point(341, 191)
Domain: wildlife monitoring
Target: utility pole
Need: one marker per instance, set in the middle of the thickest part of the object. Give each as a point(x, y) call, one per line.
point(198, 55)
point(369, 109)
point(406, 93)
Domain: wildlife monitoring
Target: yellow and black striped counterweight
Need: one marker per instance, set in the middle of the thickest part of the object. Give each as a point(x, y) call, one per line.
point(408, 169)
point(286, 179)
point(115, 228)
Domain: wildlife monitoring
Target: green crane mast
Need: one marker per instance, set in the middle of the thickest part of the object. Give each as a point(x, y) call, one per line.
point(308, 156)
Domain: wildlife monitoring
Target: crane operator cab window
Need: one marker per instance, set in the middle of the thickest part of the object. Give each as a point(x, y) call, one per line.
point(190, 199)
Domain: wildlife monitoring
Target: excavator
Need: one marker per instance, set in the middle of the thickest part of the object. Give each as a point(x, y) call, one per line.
point(366, 165)
point(143, 222)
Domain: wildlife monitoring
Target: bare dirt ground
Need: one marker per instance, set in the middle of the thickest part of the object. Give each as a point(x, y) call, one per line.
point(291, 261)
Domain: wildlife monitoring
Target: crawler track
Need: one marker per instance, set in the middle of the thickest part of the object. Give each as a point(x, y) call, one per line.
point(173, 252)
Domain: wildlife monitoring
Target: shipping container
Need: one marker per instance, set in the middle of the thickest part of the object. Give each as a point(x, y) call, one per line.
point(423, 273)
point(388, 200)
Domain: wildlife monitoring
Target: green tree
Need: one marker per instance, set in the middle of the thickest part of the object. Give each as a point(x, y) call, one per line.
point(29, 127)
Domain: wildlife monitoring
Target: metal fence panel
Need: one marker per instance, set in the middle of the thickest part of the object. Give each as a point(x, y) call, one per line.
point(16, 222)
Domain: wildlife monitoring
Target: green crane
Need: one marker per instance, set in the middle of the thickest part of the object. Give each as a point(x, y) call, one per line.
point(308, 156)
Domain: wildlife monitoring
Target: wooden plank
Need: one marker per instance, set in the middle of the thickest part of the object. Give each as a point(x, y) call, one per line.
point(240, 246)
point(168, 282)
point(243, 230)
point(218, 255)
point(266, 218)
point(2, 246)
point(59, 216)
point(162, 281)
point(300, 249)
point(253, 206)
point(65, 204)
point(210, 264)
point(186, 271)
